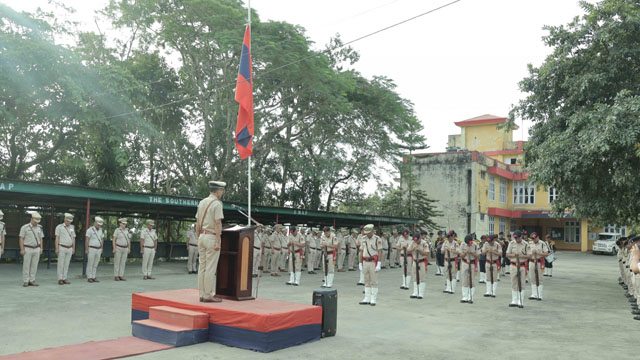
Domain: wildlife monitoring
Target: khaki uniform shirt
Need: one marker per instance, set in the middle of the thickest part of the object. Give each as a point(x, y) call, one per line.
point(385, 243)
point(422, 245)
point(313, 242)
point(149, 237)
point(450, 246)
point(122, 237)
point(284, 242)
point(297, 241)
point(343, 242)
point(95, 237)
point(32, 236)
point(492, 246)
point(330, 240)
point(65, 234)
point(540, 248)
point(213, 214)
point(473, 254)
point(370, 246)
point(352, 242)
point(274, 241)
point(191, 237)
point(515, 248)
point(3, 231)
point(257, 240)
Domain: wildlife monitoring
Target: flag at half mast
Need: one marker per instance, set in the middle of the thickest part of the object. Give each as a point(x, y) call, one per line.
point(244, 96)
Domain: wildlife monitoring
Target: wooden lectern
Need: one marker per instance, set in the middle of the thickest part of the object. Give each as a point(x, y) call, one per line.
point(235, 267)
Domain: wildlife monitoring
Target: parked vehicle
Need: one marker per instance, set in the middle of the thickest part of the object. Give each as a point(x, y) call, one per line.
point(606, 244)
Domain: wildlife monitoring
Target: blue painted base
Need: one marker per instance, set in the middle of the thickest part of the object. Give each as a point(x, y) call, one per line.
point(264, 341)
point(173, 338)
point(139, 315)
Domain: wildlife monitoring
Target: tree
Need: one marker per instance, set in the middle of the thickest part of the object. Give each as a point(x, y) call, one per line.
point(584, 101)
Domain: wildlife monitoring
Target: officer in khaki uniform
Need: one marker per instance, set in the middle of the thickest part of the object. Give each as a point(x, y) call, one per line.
point(329, 243)
point(353, 249)
point(192, 249)
point(492, 250)
point(266, 253)
point(3, 233)
point(276, 250)
point(450, 252)
point(370, 263)
point(284, 242)
point(517, 253)
point(342, 240)
point(403, 244)
point(31, 236)
point(420, 250)
point(538, 250)
point(295, 246)
point(65, 247)
point(393, 247)
point(359, 241)
point(469, 253)
point(93, 246)
point(148, 248)
point(209, 230)
point(314, 245)
point(257, 250)
point(385, 248)
point(121, 249)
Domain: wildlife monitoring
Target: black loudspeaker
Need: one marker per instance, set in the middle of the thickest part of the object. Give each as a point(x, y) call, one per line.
point(328, 299)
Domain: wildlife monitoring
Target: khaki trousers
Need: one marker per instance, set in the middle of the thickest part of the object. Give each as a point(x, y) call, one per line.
point(93, 259)
point(446, 269)
point(341, 256)
point(370, 274)
point(352, 257)
point(192, 260)
point(283, 259)
point(331, 268)
point(409, 265)
point(311, 260)
point(532, 273)
point(385, 254)
point(514, 277)
point(119, 261)
point(64, 257)
point(30, 264)
point(491, 267)
point(208, 265)
point(275, 261)
point(466, 277)
point(266, 259)
point(256, 260)
point(298, 262)
point(147, 261)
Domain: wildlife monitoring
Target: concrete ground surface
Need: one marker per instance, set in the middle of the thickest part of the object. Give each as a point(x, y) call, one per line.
point(584, 315)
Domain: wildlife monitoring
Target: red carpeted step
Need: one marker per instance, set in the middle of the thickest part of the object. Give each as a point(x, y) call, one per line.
point(164, 333)
point(179, 317)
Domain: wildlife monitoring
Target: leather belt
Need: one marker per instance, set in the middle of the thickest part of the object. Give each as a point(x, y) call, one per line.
point(190, 244)
point(95, 247)
point(369, 259)
point(257, 247)
point(123, 247)
point(32, 247)
point(313, 248)
point(276, 248)
point(207, 232)
point(523, 263)
point(150, 247)
point(469, 262)
point(66, 247)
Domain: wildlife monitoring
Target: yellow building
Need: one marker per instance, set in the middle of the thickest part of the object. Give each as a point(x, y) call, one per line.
point(481, 187)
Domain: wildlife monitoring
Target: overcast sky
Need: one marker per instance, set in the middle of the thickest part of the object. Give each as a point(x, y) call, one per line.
point(462, 61)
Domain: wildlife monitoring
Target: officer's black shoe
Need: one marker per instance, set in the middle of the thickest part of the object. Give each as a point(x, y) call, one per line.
point(637, 317)
point(513, 305)
point(412, 296)
point(635, 312)
point(363, 303)
point(532, 298)
point(445, 291)
point(463, 301)
point(521, 307)
point(470, 302)
point(487, 295)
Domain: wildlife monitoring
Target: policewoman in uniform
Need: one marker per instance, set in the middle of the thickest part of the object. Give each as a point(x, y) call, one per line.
point(370, 262)
point(192, 249)
point(65, 247)
point(148, 248)
point(94, 244)
point(31, 236)
point(121, 249)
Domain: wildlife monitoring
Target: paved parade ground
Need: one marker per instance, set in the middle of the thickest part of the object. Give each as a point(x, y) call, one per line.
point(584, 315)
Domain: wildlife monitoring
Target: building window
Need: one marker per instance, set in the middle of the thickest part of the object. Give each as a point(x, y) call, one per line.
point(492, 224)
point(483, 174)
point(572, 232)
point(512, 161)
point(481, 217)
point(523, 193)
point(503, 224)
point(553, 194)
point(513, 226)
point(615, 229)
point(503, 191)
point(492, 188)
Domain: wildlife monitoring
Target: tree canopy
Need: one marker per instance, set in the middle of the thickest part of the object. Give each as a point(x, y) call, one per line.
point(584, 101)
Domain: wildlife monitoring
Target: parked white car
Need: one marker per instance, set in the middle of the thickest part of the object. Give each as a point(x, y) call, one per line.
point(606, 244)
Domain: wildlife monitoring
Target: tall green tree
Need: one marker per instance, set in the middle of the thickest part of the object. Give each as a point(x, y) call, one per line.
point(584, 101)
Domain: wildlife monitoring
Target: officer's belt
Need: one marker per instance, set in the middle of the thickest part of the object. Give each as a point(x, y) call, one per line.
point(66, 246)
point(32, 247)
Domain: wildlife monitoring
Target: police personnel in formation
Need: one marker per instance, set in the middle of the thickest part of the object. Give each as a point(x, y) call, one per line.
point(266, 252)
point(319, 256)
point(295, 247)
point(517, 254)
point(393, 248)
point(359, 241)
point(403, 244)
point(469, 255)
point(538, 250)
point(3, 233)
point(329, 245)
point(121, 249)
point(257, 250)
point(148, 248)
point(450, 251)
point(314, 246)
point(276, 250)
point(369, 262)
point(31, 237)
point(420, 250)
point(342, 249)
point(353, 249)
point(209, 229)
point(65, 247)
point(439, 256)
point(492, 250)
point(192, 249)
point(385, 248)
point(94, 243)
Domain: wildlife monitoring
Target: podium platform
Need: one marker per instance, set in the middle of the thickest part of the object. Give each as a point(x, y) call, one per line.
point(261, 325)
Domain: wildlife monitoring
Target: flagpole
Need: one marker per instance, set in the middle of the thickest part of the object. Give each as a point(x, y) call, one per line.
point(249, 158)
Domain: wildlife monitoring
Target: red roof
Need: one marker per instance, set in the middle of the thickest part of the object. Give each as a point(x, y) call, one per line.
point(483, 120)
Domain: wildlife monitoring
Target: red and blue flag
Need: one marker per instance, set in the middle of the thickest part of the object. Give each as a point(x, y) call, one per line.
point(244, 96)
